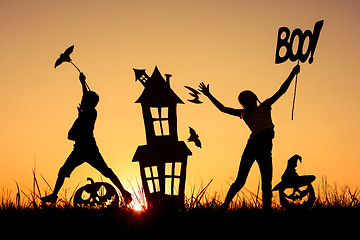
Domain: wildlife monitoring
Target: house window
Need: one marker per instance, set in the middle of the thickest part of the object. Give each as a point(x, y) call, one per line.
point(160, 120)
point(172, 178)
point(152, 178)
point(143, 78)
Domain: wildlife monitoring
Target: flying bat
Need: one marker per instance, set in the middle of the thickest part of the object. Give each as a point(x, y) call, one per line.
point(194, 93)
point(65, 56)
point(194, 138)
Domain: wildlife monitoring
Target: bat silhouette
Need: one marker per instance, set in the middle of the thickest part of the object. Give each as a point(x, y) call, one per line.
point(194, 138)
point(65, 56)
point(194, 93)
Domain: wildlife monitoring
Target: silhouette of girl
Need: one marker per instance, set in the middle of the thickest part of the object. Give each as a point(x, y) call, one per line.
point(259, 146)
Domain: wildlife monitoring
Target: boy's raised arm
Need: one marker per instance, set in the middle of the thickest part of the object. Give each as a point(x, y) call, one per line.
point(206, 91)
point(82, 79)
point(285, 86)
point(84, 90)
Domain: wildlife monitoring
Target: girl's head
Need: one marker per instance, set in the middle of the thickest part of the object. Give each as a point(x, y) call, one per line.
point(248, 99)
point(89, 100)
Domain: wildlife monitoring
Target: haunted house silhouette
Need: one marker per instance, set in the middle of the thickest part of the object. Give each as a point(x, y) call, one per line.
point(163, 159)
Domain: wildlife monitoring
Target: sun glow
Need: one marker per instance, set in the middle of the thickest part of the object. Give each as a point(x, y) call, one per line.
point(137, 206)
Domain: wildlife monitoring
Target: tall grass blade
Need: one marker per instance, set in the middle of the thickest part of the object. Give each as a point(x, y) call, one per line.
point(46, 182)
point(36, 184)
point(17, 195)
point(73, 194)
point(197, 201)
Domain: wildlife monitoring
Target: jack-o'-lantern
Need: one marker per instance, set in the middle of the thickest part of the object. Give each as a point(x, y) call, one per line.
point(295, 192)
point(96, 194)
point(298, 195)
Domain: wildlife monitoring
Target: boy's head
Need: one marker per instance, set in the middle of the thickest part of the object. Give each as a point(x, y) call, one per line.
point(89, 100)
point(248, 99)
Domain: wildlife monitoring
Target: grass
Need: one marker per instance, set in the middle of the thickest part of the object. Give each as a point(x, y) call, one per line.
point(335, 208)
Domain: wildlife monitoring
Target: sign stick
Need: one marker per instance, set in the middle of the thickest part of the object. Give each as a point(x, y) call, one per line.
point(293, 106)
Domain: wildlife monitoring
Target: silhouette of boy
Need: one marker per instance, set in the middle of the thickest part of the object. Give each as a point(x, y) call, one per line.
point(85, 148)
point(259, 146)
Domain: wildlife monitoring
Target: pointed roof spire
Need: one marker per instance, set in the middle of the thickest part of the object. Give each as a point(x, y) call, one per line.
point(157, 91)
point(140, 75)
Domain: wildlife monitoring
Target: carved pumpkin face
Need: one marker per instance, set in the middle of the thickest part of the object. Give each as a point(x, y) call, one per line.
point(96, 194)
point(297, 197)
point(296, 192)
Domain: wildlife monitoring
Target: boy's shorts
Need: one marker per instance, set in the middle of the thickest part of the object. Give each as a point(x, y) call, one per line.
point(91, 156)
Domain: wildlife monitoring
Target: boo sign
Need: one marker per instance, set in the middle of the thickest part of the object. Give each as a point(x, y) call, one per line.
point(286, 40)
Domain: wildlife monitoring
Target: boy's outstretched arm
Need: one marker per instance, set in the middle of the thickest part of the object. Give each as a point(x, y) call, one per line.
point(206, 91)
point(285, 86)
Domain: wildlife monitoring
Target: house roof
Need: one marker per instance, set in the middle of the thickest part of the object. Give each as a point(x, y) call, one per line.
point(157, 91)
point(168, 151)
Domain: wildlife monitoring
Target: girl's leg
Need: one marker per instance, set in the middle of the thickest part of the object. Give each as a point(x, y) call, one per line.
point(246, 162)
point(264, 160)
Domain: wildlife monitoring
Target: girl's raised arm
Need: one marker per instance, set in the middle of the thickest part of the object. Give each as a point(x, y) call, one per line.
point(285, 86)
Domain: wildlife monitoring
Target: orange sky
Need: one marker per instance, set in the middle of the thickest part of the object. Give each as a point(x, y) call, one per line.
point(228, 44)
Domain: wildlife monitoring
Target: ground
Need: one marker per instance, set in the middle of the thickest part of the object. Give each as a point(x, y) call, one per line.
point(104, 223)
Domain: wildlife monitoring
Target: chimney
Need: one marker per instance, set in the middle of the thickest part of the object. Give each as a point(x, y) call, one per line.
point(168, 79)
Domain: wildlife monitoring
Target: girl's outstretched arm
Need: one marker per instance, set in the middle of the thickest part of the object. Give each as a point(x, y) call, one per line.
point(285, 86)
point(206, 91)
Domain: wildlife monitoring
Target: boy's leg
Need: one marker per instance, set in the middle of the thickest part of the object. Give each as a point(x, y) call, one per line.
point(115, 180)
point(59, 182)
point(246, 162)
point(126, 195)
point(97, 161)
point(70, 164)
